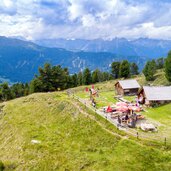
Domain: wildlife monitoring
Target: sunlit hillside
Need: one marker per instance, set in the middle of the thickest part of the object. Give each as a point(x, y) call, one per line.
point(51, 131)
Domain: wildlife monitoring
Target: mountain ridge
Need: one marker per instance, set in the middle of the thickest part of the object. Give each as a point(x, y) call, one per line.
point(138, 47)
point(20, 60)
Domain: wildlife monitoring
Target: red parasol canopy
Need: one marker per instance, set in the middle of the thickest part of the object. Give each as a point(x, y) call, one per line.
point(86, 89)
point(109, 109)
point(122, 108)
point(121, 104)
point(134, 108)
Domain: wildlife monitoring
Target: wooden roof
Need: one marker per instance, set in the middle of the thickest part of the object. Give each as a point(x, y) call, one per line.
point(157, 93)
point(128, 84)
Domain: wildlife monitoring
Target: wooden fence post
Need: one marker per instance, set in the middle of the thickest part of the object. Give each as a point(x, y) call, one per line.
point(137, 135)
point(117, 126)
point(165, 141)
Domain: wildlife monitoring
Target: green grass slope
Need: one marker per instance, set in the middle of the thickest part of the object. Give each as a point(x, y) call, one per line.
point(69, 140)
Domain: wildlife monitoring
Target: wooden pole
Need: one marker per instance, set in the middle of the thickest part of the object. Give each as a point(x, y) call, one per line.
point(165, 141)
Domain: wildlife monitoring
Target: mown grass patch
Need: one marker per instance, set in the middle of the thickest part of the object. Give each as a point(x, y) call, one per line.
point(160, 117)
point(104, 98)
point(130, 98)
point(161, 114)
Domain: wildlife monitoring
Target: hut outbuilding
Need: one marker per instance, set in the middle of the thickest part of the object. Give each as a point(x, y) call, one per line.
point(127, 87)
point(151, 95)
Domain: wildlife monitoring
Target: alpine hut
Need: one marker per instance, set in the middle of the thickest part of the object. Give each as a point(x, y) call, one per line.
point(127, 87)
point(154, 95)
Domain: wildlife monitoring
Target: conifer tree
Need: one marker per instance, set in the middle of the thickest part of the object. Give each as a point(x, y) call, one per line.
point(149, 70)
point(115, 66)
point(168, 67)
point(96, 76)
point(74, 80)
point(124, 70)
point(87, 77)
point(106, 76)
point(80, 78)
point(5, 92)
point(134, 69)
point(160, 63)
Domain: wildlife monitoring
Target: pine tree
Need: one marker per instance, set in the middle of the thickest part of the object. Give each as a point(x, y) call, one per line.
point(106, 76)
point(80, 78)
point(17, 90)
point(124, 70)
point(70, 82)
point(26, 89)
point(168, 67)
point(45, 76)
point(96, 76)
point(74, 80)
point(87, 77)
point(50, 78)
point(36, 85)
point(5, 92)
point(59, 78)
point(160, 63)
point(134, 69)
point(115, 66)
point(149, 70)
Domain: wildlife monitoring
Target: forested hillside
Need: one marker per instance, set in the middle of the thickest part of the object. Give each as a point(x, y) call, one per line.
point(19, 60)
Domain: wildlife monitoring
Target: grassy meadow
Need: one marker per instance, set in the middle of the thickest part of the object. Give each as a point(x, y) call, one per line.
point(68, 139)
point(51, 131)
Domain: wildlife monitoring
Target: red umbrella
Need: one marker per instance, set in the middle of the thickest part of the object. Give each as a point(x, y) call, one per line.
point(122, 108)
point(109, 109)
point(121, 104)
point(134, 108)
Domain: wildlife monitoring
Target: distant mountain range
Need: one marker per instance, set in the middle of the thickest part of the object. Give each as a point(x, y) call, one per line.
point(19, 60)
point(143, 47)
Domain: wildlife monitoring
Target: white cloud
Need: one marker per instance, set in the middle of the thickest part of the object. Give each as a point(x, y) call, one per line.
point(38, 19)
point(88, 20)
point(8, 3)
point(75, 10)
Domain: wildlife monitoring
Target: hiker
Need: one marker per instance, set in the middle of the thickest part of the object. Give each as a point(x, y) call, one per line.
point(140, 99)
point(93, 103)
point(133, 120)
point(119, 120)
point(134, 116)
point(126, 118)
point(137, 102)
point(97, 93)
point(90, 94)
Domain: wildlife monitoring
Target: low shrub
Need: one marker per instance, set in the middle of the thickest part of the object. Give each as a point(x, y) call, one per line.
point(2, 167)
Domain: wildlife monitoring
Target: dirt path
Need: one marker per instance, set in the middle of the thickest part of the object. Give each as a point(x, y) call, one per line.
point(74, 103)
point(82, 111)
point(128, 131)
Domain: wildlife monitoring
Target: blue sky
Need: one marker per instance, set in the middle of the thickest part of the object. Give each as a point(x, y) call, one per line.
point(87, 19)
